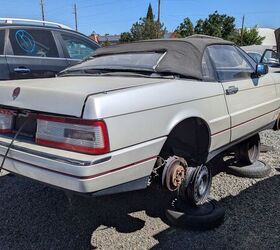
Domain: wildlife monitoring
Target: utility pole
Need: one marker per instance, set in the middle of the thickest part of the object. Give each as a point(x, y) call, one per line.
point(43, 10)
point(158, 20)
point(76, 16)
point(158, 11)
point(242, 30)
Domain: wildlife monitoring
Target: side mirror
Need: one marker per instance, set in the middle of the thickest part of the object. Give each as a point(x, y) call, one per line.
point(262, 69)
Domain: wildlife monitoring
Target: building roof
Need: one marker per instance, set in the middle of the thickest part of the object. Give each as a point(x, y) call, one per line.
point(109, 38)
point(269, 35)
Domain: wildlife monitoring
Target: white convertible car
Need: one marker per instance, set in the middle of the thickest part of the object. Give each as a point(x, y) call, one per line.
point(132, 114)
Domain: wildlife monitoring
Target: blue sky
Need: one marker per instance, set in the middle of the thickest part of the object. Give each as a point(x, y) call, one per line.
point(116, 16)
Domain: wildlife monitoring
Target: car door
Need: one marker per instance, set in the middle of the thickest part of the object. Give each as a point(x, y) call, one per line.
point(33, 53)
point(251, 99)
point(76, 48)
point(272, 59)
point(4, 69)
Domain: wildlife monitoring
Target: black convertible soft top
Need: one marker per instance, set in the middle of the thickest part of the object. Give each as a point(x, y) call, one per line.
point(183, 56)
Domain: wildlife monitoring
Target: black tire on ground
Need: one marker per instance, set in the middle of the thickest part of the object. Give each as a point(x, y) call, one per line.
point(248, 152)
point(266, 148)
point(257, 170)
point(203, 217)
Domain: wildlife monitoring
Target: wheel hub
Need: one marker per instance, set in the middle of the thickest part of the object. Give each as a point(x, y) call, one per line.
point(174, 173)
point(177, 175)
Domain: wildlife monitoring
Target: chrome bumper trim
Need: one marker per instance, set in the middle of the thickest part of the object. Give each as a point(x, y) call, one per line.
point(57, 157)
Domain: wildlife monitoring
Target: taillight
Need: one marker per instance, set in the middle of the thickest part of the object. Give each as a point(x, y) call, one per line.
point(86, 136)
point(6, 121)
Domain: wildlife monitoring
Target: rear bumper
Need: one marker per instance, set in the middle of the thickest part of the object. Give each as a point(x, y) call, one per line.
point(79, 172)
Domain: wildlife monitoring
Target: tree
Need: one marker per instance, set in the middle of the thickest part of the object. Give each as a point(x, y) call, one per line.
point(150, 13)
point(228, 28)
point(198, 29)
point(222, 26)
point(150, 26)
point(107, 43)
point(126, 37)
point(216, 25)
point(250, 37)
point(137, 30)
point(145, 28)
point(185, 28)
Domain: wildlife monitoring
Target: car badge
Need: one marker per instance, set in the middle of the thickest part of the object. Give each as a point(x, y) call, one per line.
point(16, 93)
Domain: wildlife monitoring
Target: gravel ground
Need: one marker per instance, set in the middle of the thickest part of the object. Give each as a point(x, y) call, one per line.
point(33, 216)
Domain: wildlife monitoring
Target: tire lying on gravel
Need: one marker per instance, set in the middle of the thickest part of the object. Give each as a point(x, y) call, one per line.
point(266, 148)
point(203, 217)
point(257, 170)
point(248, 152)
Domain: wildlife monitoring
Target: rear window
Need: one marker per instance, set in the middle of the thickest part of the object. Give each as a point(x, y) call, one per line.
point(32, 42)
point(2, 39)
point(140, 61)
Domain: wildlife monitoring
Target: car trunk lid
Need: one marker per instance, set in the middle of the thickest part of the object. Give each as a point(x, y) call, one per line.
point(62, 95)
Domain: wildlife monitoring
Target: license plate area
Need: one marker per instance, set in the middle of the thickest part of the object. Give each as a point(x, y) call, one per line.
point(29, 130)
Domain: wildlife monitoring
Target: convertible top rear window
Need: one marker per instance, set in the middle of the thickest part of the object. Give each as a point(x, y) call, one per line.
point(144, 61)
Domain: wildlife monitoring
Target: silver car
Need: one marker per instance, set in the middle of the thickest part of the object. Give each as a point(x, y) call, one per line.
point(152, 111)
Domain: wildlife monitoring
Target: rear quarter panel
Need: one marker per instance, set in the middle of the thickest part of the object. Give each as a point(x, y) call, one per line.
point(144, 113)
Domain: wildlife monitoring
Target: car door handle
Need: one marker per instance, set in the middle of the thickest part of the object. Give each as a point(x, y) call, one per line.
point(22, 70)
point(232, 90)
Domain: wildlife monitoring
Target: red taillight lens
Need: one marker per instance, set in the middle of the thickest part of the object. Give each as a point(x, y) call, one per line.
point(6, 121)
point(78, 135)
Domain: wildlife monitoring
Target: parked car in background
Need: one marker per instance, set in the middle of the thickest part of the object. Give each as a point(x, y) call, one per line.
point(153, 111)
point(37, 49)
point(268, 55)
point(260, 53)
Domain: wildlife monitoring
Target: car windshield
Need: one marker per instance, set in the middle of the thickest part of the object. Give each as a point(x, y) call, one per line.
point(147, 61)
